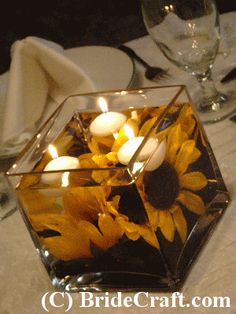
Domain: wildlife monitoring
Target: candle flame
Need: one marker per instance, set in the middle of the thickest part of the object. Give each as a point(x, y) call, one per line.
point(115, 135)
point(65, 179)
point(102, 103)
point(52, 151)
point(134, 115)
point(129, 132)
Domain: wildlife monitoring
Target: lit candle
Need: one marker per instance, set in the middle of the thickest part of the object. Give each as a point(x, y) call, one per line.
point(128, 149)
point(151, 147)
point(157, 158)
point(108, 122)
point(58, 163)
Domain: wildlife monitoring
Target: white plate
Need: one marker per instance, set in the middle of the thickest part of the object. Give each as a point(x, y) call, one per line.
point(109, 68)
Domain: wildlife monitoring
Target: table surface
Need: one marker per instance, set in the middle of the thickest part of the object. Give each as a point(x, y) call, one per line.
point(23, 279)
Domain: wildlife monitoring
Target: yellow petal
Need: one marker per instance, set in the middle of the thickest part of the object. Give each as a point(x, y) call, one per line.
point(176, 138)
point(69, 246)
point(192, 202)
point(193, 181)
point(153, 215)
point(134, 231)
point(35, 202)
point(77, 211)
point(93, 234)
point(57, 222)
point(186, 119)
point(86, 161)
point(149, 236)
point(147, 126)
point(187, 154)
point(110, 228)
point(86, 201)
point(134, 236)
point(101, 145)
point(113, 206)
point(101, 176)
point(167, 225)
point(119, 141)
point(180, 223)
point(112, 156)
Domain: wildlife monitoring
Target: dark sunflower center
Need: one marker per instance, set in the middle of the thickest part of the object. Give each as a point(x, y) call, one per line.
point(161, 186)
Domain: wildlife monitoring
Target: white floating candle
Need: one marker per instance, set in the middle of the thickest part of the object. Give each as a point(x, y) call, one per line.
point(157, 158)
point(60, 163)
point(107, 123)
point(128, 149)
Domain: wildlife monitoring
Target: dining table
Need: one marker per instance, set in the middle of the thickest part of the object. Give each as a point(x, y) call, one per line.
point(23, 278)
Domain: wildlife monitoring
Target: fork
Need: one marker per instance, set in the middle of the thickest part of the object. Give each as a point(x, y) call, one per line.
point(151, 73)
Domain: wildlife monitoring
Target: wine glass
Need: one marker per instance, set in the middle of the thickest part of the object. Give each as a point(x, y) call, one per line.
point(188, 34)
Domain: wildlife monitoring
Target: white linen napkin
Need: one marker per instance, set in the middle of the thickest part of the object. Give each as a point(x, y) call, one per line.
point(40, 78)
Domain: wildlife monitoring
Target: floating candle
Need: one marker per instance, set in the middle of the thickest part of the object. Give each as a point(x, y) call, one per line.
point(157, 158)
point(128, 149)
point(107, 123)
point(59, 163)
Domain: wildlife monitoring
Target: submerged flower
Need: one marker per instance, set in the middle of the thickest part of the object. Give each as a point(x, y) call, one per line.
point(172, 186)
point(85, 223)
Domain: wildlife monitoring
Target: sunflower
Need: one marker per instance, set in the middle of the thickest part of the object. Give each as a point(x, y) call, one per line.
point(83, 222)
point(170, 187)
point(87, 222)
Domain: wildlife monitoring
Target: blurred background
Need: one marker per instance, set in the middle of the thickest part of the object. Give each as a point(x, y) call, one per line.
point(74, 23)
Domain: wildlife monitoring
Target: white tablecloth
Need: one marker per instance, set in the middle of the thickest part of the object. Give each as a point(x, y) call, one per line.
point(23, 279)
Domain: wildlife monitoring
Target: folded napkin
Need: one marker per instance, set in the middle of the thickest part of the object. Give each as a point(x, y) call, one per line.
point(40, 78)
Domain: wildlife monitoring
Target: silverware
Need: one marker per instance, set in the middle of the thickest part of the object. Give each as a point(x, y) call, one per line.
point(231, 75)
point(151, 73)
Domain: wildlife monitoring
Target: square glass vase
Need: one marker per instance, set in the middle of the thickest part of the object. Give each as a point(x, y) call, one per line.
point(120, 190)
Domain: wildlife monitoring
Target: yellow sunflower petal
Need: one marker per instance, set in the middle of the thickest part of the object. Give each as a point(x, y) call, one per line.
point(134, 231)
point(35, 202)
point(68, 248)
point(149, 236)
point(86, 202)
point(112, 206)
point(187, 154)
point(112, 157)
point(147, 126)
point(180, 223)
point(94, 235)
point(86, 161)
point(101, 145)
point(186, 119)
point(128, 227)
point(192, 202)
point(77, 211)
point(101, 176)
point(167, 225)
point(193, 181)
point(153, 215)
point(134, 236)
point(175, 139)
point(70, 244)
point(110, 228)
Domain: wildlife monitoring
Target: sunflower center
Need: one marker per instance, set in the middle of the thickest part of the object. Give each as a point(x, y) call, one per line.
point(162, 186)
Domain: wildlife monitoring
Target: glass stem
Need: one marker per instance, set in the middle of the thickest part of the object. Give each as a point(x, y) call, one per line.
point(208, 87)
